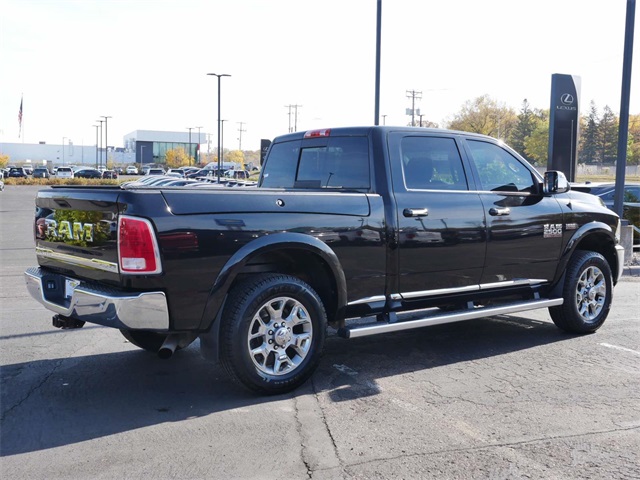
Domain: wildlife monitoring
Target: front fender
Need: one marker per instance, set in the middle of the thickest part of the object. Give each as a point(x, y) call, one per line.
point(265, 244)
point(599, 237)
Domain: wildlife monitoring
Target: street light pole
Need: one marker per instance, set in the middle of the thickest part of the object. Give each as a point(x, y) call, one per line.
point(63, 140)
point(100, 160)
point(219, 75)
point(222, 141)
point(190, 128)
point(96, 127)
point(106, 141)
point(197, 160)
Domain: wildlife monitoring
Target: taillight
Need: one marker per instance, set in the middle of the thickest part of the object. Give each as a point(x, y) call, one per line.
point(137, 246)
point(318, 133)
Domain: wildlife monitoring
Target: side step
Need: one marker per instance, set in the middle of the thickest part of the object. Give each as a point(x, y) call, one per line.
point(437, 317)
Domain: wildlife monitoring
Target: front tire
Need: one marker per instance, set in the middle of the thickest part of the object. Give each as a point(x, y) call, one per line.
point(587, 292)
point(272, 333)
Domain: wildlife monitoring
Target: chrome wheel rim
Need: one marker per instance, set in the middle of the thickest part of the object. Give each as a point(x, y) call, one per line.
point(591, 293)
point(280, 336)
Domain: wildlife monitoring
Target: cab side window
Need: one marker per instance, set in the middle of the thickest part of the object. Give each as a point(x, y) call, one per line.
point(432, 163)
point(498, 170)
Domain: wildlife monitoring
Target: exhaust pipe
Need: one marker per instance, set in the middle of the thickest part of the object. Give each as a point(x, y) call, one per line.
point(169, 346)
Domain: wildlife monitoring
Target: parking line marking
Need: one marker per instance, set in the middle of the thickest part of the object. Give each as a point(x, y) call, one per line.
point(623, 349)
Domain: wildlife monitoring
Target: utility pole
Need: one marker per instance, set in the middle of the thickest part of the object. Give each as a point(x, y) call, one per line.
point(295, 108)
point(240, 130)
point(412, 94)
point(189, 154)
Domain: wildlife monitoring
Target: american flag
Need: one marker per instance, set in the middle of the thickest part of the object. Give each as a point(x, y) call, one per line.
point(20, 118)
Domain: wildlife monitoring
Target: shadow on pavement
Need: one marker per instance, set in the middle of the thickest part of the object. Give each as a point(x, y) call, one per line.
point(65, 401)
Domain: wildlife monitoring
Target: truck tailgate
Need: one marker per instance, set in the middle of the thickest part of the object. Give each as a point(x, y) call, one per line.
point(76, 232)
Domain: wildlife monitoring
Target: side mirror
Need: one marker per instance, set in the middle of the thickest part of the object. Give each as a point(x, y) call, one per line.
point(555, 182)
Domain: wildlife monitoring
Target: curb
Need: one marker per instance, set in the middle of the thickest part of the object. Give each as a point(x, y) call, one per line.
point(631, 271)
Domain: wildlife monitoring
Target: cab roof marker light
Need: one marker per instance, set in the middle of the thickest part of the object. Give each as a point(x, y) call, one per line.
point(317, 133)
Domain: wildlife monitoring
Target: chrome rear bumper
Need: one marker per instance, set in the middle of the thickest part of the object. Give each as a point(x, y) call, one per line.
point(98, 304)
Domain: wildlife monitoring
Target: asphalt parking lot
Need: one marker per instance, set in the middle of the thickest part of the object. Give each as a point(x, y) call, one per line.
point(506, 397)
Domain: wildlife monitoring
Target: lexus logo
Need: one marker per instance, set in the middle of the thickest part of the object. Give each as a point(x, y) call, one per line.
point(566, 99)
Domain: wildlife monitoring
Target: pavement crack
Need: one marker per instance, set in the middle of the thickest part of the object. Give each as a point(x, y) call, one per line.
point(323, 417)
point(31, 391)
point(303, 446)
point(494, 445)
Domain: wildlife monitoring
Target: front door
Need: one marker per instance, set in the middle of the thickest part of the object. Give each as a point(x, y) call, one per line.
point(525, 228)
point(441, 228)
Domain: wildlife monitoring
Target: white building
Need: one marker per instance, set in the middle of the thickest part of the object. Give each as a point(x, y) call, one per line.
point(140, 146)
point(151, 146)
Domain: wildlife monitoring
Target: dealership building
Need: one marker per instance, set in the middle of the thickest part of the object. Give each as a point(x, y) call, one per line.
point(140, 146)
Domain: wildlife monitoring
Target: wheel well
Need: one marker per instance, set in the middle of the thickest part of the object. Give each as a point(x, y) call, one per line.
point(604, 246)
point(303, 264)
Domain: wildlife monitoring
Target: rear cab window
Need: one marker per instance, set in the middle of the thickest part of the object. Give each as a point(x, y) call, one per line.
point(327, 163)
point(432, 163)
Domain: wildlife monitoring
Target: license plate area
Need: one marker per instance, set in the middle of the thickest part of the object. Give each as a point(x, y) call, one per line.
point(69, 286)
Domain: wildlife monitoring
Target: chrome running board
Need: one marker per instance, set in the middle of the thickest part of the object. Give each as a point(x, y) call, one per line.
point(437, 317)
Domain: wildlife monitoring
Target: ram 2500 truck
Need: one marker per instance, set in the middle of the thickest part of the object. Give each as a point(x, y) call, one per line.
point(404, 227)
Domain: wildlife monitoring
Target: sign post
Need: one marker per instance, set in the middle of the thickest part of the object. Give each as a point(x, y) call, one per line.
point(564, 124)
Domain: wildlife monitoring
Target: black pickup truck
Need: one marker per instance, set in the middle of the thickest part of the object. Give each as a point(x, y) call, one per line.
point(404, 227)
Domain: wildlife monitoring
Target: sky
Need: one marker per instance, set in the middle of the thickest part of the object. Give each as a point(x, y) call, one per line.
point(144, 63)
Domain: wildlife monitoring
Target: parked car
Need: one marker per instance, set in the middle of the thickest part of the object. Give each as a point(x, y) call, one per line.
point(176, 171)
point(631, 194)
point(41, 172)
point(113, 174)
point(594, 188)
point(132, 170)
point(238, 174)
point(155, 171)
point(64, 172)
point(202, 172)
point(17, 172)
point(1, 185)
point(88, 172)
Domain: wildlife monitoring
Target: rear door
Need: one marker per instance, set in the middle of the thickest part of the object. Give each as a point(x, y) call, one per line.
point(441, 228)
point(525, 228)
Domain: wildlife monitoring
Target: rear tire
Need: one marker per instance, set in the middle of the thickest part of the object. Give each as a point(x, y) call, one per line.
point(272, 333)
point(587, 293)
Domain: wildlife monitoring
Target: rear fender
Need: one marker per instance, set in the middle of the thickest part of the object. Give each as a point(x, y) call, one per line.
point(266, 244)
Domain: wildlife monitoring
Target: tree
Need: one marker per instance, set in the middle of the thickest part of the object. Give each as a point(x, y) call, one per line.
point(588, 148)
point(4, 160)
point(536, 145)
point(633, 143)
point(235, 156)
point(524, 128)
point(608, 135)
point(484, 115)
point(177, 157)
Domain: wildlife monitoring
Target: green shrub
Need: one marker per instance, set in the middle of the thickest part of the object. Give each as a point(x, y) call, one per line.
point(60, 181)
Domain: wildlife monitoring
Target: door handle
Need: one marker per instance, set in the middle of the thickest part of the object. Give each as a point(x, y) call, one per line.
point(415, 212)
point(499, 212)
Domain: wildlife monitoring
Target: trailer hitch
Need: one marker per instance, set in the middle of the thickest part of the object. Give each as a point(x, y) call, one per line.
point(60, 321)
